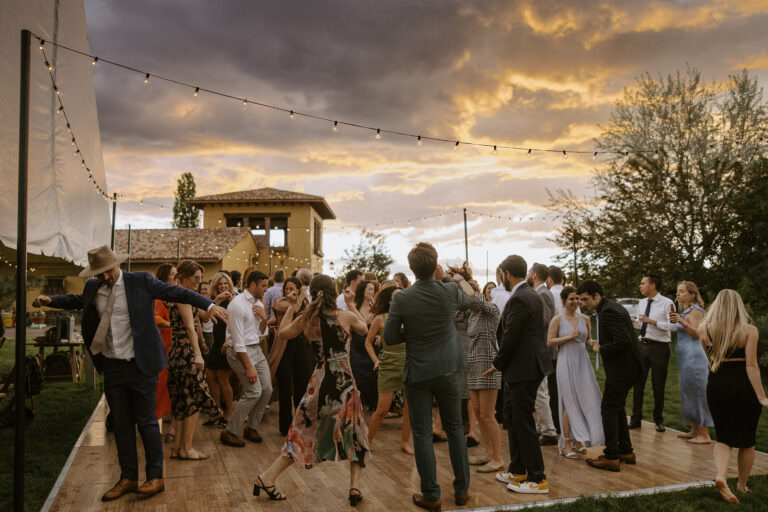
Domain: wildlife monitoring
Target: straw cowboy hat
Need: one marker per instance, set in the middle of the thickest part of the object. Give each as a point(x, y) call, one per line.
point(100, 260)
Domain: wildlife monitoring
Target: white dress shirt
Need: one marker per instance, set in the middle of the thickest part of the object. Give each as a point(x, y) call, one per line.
point(119, 342)
point(660, 308)
point(340, 302)
point(243, 327)
point(556, 290)
point(500, 296)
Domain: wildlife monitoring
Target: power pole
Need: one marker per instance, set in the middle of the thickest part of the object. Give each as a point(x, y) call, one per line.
point(466, 239)
point(575, 256)
point(114, 217)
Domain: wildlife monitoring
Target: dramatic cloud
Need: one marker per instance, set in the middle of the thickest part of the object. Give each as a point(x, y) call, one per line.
point(538, 74)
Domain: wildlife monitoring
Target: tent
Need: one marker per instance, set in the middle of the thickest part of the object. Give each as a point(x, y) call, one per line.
point(66, 215)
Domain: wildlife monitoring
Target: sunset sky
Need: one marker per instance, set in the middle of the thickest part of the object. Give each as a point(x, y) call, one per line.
point(530, 74)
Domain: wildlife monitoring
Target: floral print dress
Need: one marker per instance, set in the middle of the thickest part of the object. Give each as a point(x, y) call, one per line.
point(329, 422)
point(187, 386)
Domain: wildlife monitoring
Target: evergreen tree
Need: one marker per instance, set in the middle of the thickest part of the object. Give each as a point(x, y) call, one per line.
point(369, 255)
point(185, 215)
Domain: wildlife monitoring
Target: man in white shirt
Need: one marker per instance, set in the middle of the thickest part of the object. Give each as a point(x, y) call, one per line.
point(499, 294)
point(354, 278)
point(122, 339)
point(555, 285)
point(655, 337)
point(246, 328)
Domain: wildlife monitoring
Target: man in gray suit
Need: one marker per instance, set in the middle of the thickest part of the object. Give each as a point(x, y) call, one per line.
point(422, 317)
point(545, 424)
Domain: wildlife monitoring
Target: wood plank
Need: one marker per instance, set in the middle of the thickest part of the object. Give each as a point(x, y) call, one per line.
point(225, 480)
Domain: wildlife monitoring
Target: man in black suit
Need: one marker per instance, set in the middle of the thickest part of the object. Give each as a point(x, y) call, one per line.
point(617, 344)
point(524, 361)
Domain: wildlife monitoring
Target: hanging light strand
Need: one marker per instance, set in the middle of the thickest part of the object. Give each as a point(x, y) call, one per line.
point(335, 122)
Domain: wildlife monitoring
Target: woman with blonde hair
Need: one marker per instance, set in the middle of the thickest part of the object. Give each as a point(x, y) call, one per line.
point(735, 392)
point(221, 292)
point(692, 364)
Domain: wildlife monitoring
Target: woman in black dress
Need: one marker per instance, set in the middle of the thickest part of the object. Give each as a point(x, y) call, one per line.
point(221, 292)
point(362, 366)
point(734, 391)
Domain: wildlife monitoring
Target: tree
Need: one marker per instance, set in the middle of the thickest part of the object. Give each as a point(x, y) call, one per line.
point(185, 215)
point(369, 255)
point(679, 162)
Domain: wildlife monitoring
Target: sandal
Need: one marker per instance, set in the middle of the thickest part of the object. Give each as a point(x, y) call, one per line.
point(273, 493)
point(355, 497)
point(192, 455)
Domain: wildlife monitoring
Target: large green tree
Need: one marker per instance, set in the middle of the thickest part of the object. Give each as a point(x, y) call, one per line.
point(185, 215)
point(680, 155)
point(369, 255)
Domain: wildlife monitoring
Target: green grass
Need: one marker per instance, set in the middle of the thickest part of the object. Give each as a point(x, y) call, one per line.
point(61, 411)
point(702, 498)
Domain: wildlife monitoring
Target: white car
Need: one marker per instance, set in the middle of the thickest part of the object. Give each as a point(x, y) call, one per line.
point(630, 305)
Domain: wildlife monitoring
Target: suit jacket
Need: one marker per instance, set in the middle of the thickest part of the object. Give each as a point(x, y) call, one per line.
point(422, 317)
point(548, 312)
point(523, 354)
point(619, 346)
point(141, 290)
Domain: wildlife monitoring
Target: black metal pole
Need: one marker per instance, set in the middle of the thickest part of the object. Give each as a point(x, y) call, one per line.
point(575, 266)
point(129, 247)
point(466, 239)
point(21, 275)
point(114, 217)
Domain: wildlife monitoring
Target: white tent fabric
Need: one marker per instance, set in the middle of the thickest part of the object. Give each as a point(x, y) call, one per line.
point(66, 214)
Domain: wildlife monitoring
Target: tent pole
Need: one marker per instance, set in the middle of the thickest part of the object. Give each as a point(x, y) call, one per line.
point(114, 213)
point(21, 275)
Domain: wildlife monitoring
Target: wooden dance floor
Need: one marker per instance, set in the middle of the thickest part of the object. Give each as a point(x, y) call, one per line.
point(225, 481)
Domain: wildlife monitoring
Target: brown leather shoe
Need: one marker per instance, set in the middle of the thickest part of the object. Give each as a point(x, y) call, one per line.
point(231, 439)
point(252, 435)
point(120, 488)
point(151, 487)
point(628, 458)
point(461, 499)
point(602, 463)
point(420, 501)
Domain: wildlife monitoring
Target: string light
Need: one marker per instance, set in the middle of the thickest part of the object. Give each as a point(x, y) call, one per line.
point(245, 102)
point(42, 44)
point(335, 126)
point(530, 154)
point(291, 114)
point(494, 148)
point(378, 133)
point(197, 91)
point(418, 140)
point(565, 155)
point(94, 61)
point(456, 146)
point(146, 79)
point(594, 155)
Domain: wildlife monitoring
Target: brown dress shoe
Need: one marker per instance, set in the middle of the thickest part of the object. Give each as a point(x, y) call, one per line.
point(603, 463)
point(628, 458)
point(120, 488)
point(151, 487)
point(461, 499)
point(420, 501)
point(231, 439)
point(252, 435)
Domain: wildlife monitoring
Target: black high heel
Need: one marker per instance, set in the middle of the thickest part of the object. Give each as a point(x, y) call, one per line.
point(273, 493)
point(355, 498)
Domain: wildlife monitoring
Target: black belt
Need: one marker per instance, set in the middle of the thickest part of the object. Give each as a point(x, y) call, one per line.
point(646, 341)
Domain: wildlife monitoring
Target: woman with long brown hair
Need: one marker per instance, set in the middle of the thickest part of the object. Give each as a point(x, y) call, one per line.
point(390, 368)
point(362, 367)
point(329, 422)
point(187, 385)
point(221, 292)
point(166, 273)
point(735, 390)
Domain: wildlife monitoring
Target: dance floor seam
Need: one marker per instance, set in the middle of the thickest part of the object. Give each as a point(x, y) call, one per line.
point(225, 480)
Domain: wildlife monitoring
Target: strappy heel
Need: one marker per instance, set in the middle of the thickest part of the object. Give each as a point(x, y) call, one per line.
point(271, 491)
point(355, 498)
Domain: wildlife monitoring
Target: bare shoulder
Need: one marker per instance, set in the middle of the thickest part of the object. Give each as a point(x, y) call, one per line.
point(752, 333)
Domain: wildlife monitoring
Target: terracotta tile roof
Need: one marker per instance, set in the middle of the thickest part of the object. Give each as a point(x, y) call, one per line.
point(199, 244)
point(267, 196)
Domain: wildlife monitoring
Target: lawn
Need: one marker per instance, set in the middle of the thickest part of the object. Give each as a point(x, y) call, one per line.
point(61, 411)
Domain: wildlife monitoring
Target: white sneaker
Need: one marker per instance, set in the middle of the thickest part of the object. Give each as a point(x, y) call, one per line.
point(527, 487)
point(508, 478)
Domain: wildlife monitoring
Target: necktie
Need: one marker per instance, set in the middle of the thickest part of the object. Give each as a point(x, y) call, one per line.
point(644, 327)
point(99, 343)
point(597, 328)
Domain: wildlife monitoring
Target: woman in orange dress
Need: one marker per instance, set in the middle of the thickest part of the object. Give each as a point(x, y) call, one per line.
point(167, 273)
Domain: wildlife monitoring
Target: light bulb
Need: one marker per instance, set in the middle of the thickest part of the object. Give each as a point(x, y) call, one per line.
point(418, 140)
point(60, 110)
point(94, 61)
point(42, 44)
point(245, 102)
point(565, 155)
point(530, 152)
point(335, 126)
point(49, 66)
point(494, 148)
point(291, 114)
point(378, 133)
point(197, 91)
point(146, 79)
point(594, 155)
point(456, 146)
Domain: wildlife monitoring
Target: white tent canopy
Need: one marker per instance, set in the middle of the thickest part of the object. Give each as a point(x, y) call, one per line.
point(66, 215)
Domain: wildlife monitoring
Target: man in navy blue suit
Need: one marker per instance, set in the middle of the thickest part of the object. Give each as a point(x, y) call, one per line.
point(121, 337)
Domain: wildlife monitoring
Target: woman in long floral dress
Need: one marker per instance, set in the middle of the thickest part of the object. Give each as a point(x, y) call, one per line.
point(328, 423)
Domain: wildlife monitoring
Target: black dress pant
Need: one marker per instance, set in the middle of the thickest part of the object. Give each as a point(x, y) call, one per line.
point(554, 405)
point(524, 450)
point(292, 377)
point(618, 382)
point(655, 358)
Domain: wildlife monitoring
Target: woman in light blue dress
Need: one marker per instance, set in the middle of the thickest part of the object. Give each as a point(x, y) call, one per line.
point(579, 396)
point(692, 364)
